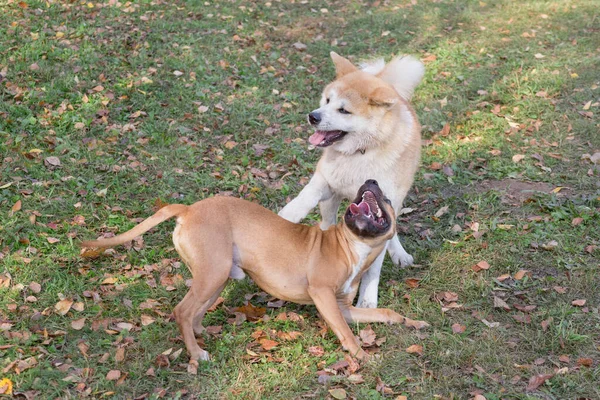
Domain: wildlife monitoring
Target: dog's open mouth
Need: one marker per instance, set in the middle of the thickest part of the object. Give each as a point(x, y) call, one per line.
point(369, 208)
point(326, 138)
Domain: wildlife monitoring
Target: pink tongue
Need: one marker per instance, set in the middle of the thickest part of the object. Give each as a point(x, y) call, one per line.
point(364, 207)
point(316, 138)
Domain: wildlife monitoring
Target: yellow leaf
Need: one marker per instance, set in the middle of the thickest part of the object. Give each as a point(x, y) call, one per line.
point(557, 189)
point(6, 387)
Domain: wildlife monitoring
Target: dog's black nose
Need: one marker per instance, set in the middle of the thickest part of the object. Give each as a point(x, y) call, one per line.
point(314, 118)
point(372, 182)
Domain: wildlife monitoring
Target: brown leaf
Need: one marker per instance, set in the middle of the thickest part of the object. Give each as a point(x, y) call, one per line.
point(52, 240)
point(52, 162)
point(412, 282)
point(367, 336)
point(63, 306)
point(564, 358)
point(458, 328)
point(585, 362)
point(537, 380)
point(499, 303)
point(215, 304)
point(120, 354)
point(579, 302)
point(523, 318)
point(518, 157)
point(268, 344)
point(577, 221)
point(316, 351)
point(16, 207)
point(519, 275)
point(415, 348)
point(560, 289)
point(83, 348)
point(35, 287)
point(447, 296)
point(78, 324)
point(113, 375)
point(436, 166)
point(147, 320)
point(481, 265)
point(252, 313)
point(545, 323)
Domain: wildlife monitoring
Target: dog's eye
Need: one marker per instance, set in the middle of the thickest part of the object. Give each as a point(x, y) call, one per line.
point(387, 201)
point(327, 101)
point(343, 110)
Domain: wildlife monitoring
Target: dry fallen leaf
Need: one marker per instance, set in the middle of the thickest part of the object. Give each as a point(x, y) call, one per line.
point(415, 349)
point(78, 324)
point(537, 380)
point(518, 157)
point(499, 303)
point(579, 302)
point(35, 287)
point(113, 375)
point(16, 207)
point(481, 265)
point(63, 306)
point(585, 362)
point(458, 328)
point(316, 351)
point(338, 394)
point(519, 275)
point(120, 354)
point(412, 282)
point(367, 336)
point(147, 320)
point(268, 344)
point(6, 387)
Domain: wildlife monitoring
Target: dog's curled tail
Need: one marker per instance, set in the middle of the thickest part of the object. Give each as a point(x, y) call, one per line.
point(161, 215)
point(403, 73)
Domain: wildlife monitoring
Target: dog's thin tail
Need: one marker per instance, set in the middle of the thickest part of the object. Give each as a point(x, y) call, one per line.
point(161, 215)
point(403, 73)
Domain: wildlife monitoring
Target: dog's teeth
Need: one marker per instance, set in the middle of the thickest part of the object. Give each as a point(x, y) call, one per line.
point(379, 213)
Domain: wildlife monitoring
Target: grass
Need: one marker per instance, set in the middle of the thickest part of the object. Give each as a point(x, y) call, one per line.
point(151, 102)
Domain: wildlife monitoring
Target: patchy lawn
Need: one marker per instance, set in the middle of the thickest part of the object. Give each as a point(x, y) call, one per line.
point(108, 110)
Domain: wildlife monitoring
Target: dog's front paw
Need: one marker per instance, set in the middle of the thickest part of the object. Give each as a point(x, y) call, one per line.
point(402, 259)
point(365, 303)
point(415, 324)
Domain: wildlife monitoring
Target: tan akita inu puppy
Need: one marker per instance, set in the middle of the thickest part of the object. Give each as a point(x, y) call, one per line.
point(368, 129)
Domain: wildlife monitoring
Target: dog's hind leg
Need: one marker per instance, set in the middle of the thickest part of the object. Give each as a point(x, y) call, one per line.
point(210, 259)
point(398, 254)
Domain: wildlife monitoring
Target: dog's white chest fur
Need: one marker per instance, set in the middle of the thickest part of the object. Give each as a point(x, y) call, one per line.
point(345, 174)
point(362, 251)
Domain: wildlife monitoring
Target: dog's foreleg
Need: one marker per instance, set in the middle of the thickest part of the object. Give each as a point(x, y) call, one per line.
point(369, 284)
point(353, 315)
point(315, 191)
point(326, 302)
point(329, 209)
point(398, 254)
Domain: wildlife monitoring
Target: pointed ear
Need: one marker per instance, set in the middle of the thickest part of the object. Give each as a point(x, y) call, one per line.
point(342, 65)
point(383, 96)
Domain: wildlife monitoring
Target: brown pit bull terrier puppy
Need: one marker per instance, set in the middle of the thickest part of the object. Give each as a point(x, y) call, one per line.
point(223, 237)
